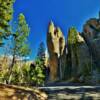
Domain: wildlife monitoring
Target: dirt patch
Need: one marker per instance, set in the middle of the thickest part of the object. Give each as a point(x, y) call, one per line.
point(11, 92)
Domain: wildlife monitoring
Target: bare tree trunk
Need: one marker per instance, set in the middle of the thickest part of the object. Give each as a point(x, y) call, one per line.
point(10, 69)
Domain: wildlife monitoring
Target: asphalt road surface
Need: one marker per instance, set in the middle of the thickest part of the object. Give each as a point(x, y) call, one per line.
point(72, 92)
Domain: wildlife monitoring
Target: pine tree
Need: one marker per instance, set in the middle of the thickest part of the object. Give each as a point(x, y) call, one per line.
point(6, 13)
point(20, 43)
point(72, 36)
point(20, 47)
point(41, 52)
point(73, 48)
point(38, 74)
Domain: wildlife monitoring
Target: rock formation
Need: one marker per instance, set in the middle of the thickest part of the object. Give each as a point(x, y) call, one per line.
point(56, 45)
point(91, 33)
point(79, 57)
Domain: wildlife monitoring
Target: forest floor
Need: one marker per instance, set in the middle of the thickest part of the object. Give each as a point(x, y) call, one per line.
point(11, 92)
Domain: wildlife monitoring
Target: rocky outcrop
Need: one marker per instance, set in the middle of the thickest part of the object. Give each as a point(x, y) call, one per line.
point(91, 34)
point(71, 61)
point(78, 55)
point(56, 45)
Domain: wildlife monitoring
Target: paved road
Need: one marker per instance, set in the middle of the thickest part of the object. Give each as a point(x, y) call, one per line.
point(72, 92)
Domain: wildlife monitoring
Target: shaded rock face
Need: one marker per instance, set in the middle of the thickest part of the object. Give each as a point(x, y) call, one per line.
point(63, 65)
point(78, 55)
point(56, 45)
point(91, 33)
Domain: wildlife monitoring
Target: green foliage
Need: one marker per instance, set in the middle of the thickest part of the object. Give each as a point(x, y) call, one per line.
point(3, 76)
point(41, 52)
point(16, 73)
point(6, 12)
point(73, 48)
point(20, 75)
point(72, 36)
point(24, 75)
point(21, 47)
point(37, 75)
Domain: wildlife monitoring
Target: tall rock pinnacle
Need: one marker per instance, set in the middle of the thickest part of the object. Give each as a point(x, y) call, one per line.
point(55, 44)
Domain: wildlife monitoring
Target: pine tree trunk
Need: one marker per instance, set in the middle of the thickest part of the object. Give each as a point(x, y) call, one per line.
point(10, 69)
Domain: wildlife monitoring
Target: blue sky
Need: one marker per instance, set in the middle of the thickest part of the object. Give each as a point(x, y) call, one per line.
point(64, 13)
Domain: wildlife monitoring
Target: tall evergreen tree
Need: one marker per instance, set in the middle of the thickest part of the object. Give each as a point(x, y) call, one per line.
point(20, 43)
point(73, 51)
point(41, 52)
point(38, 74)
point(6, 12)
point(20, 47)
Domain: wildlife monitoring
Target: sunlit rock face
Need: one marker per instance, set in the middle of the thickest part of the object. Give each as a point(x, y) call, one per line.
point(56, 45)
point(79, 59)
point(91, 33)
